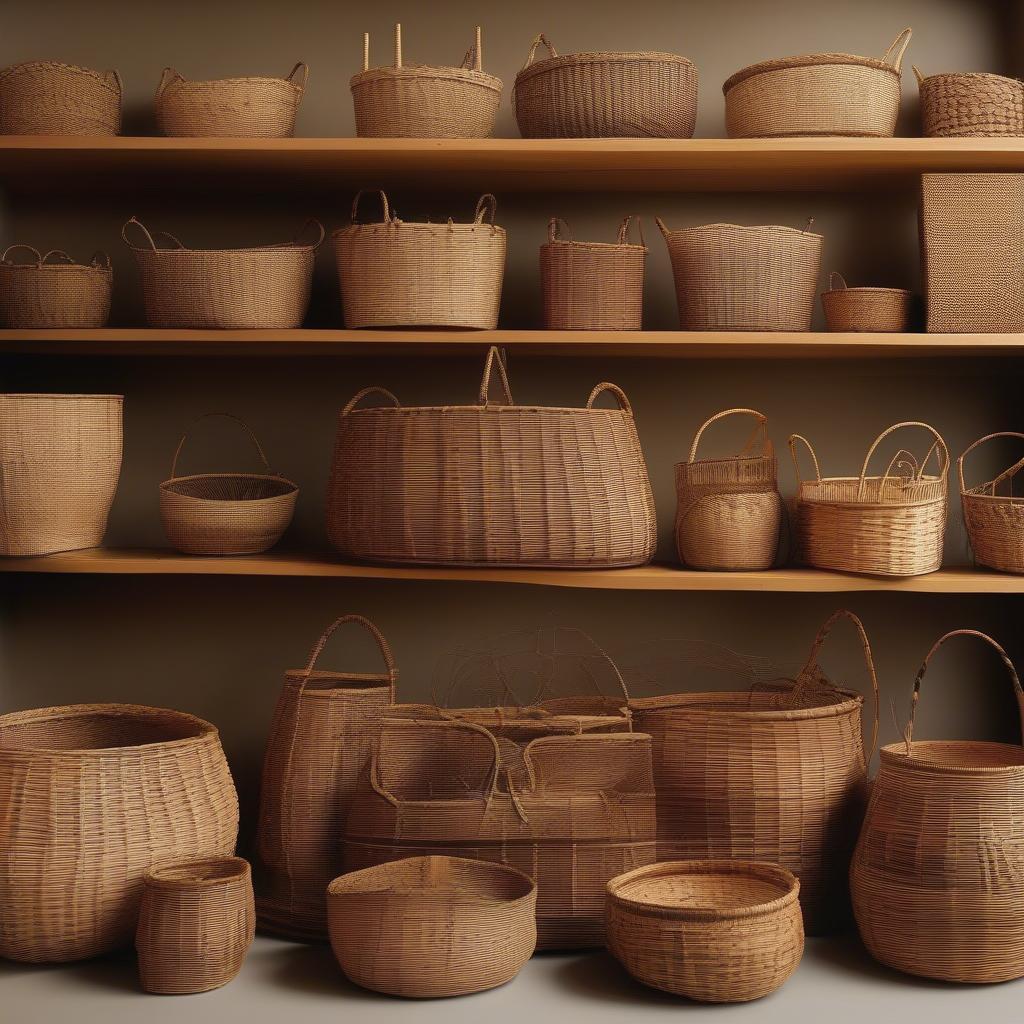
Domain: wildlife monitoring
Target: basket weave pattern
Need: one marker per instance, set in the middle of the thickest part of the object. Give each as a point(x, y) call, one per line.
point(970, 105)
point(60, 294)
point(45, 97)
point(994, 521)
point(875, 310)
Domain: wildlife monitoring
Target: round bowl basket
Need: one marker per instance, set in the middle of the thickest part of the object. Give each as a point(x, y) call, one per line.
point(45, 97)
point(974, 105)
point(995, 522)
point(51, 295)
point(874, 310)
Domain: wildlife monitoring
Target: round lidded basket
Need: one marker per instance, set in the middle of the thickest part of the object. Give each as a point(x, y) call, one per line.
point(45, 97)
point(995, 522)
point(46, 295)
point(876, 310)
point(970, 105)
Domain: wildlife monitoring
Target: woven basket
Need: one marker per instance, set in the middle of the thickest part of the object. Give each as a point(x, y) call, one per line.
point(44, 295)
point(734, 278)
point(817, 94)
point(265, 287)
point(936, 879)
point(44, 97)
point(429, 927)
point(91, 797)
point(728, 511)
point(491, 484)
point(970, 105)
point(60, 460)
point(605, 95)
point(226, 513)
point(889, 525)
point(423, 102)
point(995, 522)
point(262, 108)
point(592, 286)
point(718, 931)
point(875, 310)
point(196, 924)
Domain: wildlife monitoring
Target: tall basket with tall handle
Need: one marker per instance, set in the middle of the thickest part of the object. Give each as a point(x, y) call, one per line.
point(994, 521)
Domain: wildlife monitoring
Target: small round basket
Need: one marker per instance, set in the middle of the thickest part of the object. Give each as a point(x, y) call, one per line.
point(45, 97)
point(995, 522)
point(718, 931)
point(54, 291)
point(974, 105)
point(875, 310)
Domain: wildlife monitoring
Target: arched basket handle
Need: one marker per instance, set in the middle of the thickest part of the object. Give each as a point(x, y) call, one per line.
point(148, 236)
point(559, 230)
point(494, 359)
point(301, 70)
point(539, 40)
point(486, 209)
point(614, 390)
point(382, 645)
point(894, 55)
point(365, 393)
point(760, 429)
point(227, 416)
point(981, 440)
point(917, 75)
point(385, 205)
point(168, 77)
point(938, 446)
point(836, 282)
point(793, 438)
point(623, 234)
point(27, 248)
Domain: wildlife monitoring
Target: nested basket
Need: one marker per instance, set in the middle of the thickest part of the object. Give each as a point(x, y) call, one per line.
point(817, 94)
point(605, 95)
point(430, 927)
point(970, 105)
point(888, 525)
point(196, 924)
point(45, 97)
point(876, 310)
point(728, 511)
point(592, 286)
point(718, 931)
point(994, 521)
point(425, 102)
point(45, 294)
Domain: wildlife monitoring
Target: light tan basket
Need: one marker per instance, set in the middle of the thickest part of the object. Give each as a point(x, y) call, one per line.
point(424, 102)
point(45, 97)
point(817, 94)
point(42, 295)
point(605, 95)
point(975, 105)
point(875, 310)
point(995, 522)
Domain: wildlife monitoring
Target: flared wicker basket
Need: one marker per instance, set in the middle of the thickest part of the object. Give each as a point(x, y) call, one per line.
point(42, 295)
point(994, 521)
point(605, 95)
point(970, 105)
point(45, 97)
point(429, 927)
point(718, 931)
point(875, 310)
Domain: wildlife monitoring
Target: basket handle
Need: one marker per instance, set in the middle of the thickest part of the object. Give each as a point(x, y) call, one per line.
point(793, 438)
point(149, 238)
point(663, 227)
point(494, 358)
point(22, 245)
point(981, 440)
point(359, 396)
point(541, 38)
point(474, 55)
point(398, 45)
point(168, 77)
point(378, 636)
point(385, 206)
point(894, 55)
point(836, 282)
point(220, 415)
point(302, 231)
point(100, 259)
point(760, 428)
point(113, 78)
point(486, 207)
point(557, 227)
point(937, 446)
point(616, 391)
point(917, 75)
point(302, 70)
point(624, 229)
point(60, 254)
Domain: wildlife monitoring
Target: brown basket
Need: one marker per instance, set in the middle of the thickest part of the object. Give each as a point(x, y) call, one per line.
point(817, 94)
point(936, 879)
point(91, 797)
point(875, 310)
point(44, 295)
point(423, 102)
point(262, 108)
point(718, 931)
point(226, 513)
point(491, 484)
point(265, 287)
point(995, 522)
point(196, 924)
point(430, 927)
point(44, 97)
point(592, 286)
point(605, 95)
point(970, 105)
point(728, 511)
point(889, 525)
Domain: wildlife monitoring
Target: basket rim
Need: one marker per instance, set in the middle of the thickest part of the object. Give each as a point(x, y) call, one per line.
point(466, 76)
point(373, 681)
point(809, 60)
point(78, 267)
point(159, 875)
point(233, 80)
point(603, 246)
point(874, 289)
point(992, 499)
point(272, 249)
point(434, 226)
point(729, 460)
point(73, 397)
point(166, 484)
point(854, 701)
point(493, 409)
point(971, 74)
point(98, 76)
point(719, 225)
point(602, 57)
point(896, 753)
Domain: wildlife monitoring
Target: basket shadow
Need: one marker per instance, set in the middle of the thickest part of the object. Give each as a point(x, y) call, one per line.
point(599, 976)
point(847, 953)
point(112, 971)
point(313, 970)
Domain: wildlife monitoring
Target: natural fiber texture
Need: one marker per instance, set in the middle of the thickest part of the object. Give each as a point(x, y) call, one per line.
point(733, 278)
point(320, 741)
point(777, 775)
point(432, 926)
point(60, 460)
point(888, 525)
point(44, 97)
point(41, 295)
point(876, 310)
point(196, 924)
point(819, 94)
point(936, 879)
point(970, 105)
point(491, 484)
point(728, 511)
point(91, 797)
point(994, 521)
point(605, 95)
point(718, 931)
point(235, 289)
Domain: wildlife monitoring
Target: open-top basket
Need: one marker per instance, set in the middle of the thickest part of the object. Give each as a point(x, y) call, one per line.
point(970, 105)
point(46, 97)
point(995, 522)
point(876, 310)
point(54, 291)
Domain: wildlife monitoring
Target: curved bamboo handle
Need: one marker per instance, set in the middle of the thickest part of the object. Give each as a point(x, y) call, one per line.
point(615, 390)
point(101, 259)
point(486, 207)
point(894, 55)
point(114, 78)
point(981, 441)
point(793, 438)
point(556, 227)
point(474, 55)
point(22, 245)
point(760, 427)
point(494, 358)
point(60, 254)
point(300, 232)
point(917, 75)
point(302, 66)
point(385, 206)
point(836, 282)
point(167, 77)
point(360, 395)
point(624, 229)
point(378, 636)
point(938, 446)
point(228, 416)
point(138, 223)
point(538, 40)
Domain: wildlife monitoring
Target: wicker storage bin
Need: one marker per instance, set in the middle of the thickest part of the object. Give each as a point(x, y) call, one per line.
point(44, 295)
point(936, 879)
point(196, 924)
point(45, 97)
point(994, 521)
point(60, 460)
point(734, 278)
point(718, 931)
point(91, 797)
point(429, 927)
point(592, 286)
point(817, 94)
point(875, 310)
point(970, 105)
point(728, 511)
point(491, 484)
point(605, 95)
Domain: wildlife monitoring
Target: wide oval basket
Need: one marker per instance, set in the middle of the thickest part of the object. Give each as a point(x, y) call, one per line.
point(45, 97)
point(970, 105)
point(53, 291)
point(875, 310)
point(994, 521)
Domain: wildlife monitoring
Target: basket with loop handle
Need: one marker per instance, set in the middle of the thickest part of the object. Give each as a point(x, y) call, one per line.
point(45, 97)
point(936, 877)
point(226, 513)
point(995, 522)
point(52, 291)
point(970, 105)
point(877, 310)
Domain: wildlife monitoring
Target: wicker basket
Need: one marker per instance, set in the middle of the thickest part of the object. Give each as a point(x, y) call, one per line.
point(196, 924)
point(936, 879)
point(995, 522)
point(592, 286)
point(605, 95)
point(262, 108)
point(44, 97)
point(226, 513)
point(718, 931)
point(888, 525)
point(875, 310)
point(44, 295)
point(91, 797)
point(817, 94)
point(972, 106)
point(491, 484)
point(266, 287)
point(429, 927)
point(423, 102)
point(728, 511)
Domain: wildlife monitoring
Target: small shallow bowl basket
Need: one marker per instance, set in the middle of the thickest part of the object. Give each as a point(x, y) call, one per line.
point(995, 522)
point(876, 310)
point(49, 295)
point(44, 97)
point(974, 105)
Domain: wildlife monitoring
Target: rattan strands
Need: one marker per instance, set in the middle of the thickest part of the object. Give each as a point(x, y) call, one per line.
point(45, 97)
point(875, 310)
point(970, 105)
point(995, 522)
point(43, 294)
